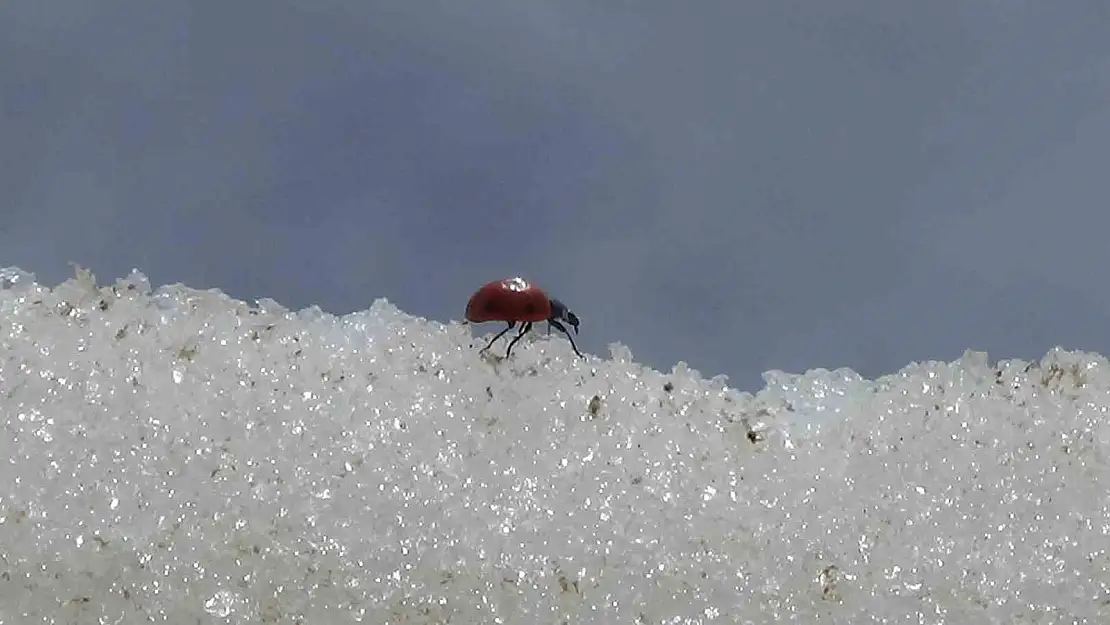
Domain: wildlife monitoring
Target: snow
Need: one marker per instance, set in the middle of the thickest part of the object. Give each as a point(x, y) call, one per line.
point(176, 456)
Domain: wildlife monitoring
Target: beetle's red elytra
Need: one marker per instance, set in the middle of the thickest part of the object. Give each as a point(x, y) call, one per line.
point(516, 300)
point(512, 299)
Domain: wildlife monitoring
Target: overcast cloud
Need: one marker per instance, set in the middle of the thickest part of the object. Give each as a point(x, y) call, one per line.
point(741, 185)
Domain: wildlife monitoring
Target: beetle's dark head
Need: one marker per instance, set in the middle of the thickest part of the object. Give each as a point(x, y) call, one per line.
point(572, 319)
point(560, 312)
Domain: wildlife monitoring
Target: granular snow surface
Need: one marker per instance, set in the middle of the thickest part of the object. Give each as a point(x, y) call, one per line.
point(176, 456)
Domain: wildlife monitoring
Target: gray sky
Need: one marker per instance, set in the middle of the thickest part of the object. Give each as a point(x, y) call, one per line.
point(741, 185)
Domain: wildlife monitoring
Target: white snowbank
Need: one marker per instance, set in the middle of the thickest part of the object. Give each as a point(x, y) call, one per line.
point(182, 457)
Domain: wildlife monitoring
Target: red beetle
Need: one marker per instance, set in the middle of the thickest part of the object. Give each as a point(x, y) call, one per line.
point(515, 300)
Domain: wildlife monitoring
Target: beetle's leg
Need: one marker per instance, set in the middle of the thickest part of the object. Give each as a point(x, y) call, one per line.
point(499, 335)
point(570, 338)
point(523, 329)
